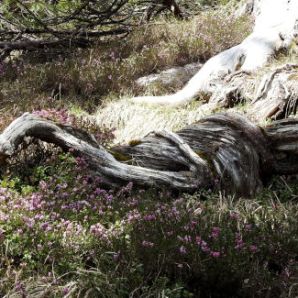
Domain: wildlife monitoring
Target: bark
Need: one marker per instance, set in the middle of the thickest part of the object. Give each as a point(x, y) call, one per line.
point(223, 150)
point(64, 41)
point(276, 28)
point(272, 95)
point(174, 8)
point(159, 6)
point(24, 28)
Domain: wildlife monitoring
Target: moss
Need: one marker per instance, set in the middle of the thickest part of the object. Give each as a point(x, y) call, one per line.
point(133, 143)
point(120, 157)
point(207, 158)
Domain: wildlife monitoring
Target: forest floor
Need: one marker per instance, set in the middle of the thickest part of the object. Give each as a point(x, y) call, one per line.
point(62, 234)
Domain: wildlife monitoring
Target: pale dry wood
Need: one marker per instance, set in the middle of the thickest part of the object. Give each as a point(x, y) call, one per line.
point(276, 95)
point(101, 162)
point(276, 27)
point(196, 163)
point(268, 79)
point(221, 151)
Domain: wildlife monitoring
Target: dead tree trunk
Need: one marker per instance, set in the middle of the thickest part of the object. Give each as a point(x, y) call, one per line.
point(223, 150)
point(276, 28)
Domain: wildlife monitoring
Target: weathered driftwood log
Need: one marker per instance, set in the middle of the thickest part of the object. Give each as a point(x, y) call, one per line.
point(223, 150)
point(276, 28)
point(273, 95)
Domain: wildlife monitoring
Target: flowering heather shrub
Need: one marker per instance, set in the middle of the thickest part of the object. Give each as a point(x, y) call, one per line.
point(75, 237)
point(113, 67)
point(63, 234)
point(64, 117)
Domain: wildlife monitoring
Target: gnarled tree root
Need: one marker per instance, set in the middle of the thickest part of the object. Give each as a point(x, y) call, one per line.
point(224, 150)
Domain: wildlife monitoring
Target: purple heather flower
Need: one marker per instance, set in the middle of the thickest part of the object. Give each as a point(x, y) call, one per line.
point(20, 231)
point(3, 216)
point(65, 291)
point(204, 246)
point(182, 250)
point(187, 238)
point(19, 287)
point(43, 185)
point(253, 248)
point(215, 254)
point(100, 231)
point(215, 232)
point(149, 217)
point(239, 242)
point(30, 222)
point(234, 215)
point(45, 226)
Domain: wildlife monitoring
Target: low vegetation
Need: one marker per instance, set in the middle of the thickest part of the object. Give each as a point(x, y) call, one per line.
point(86, 77)
point(62, 234)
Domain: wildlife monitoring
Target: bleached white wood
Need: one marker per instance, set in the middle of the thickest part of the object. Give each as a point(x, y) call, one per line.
point(276, 26)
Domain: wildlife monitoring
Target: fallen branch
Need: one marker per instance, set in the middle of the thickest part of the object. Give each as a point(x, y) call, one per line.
point(275, 30)
point(101, 162)
point(66, 40)
point(267, 81)
point(223, 150)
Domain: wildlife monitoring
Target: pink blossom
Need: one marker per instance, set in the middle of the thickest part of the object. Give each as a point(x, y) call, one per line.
point(253, 248)
point(215, 232)
point(215, 254)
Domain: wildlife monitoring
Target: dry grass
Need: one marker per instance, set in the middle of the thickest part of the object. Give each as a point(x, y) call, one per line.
point(133, 121)
point(84, 80)
point(86, 77)
point(161, 46)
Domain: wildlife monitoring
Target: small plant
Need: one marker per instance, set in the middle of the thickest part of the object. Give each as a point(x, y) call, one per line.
point(63, 234)
point(87, 76)
point(114, 243)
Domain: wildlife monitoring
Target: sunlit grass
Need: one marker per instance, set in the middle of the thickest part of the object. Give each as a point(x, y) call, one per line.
point(87, 77)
